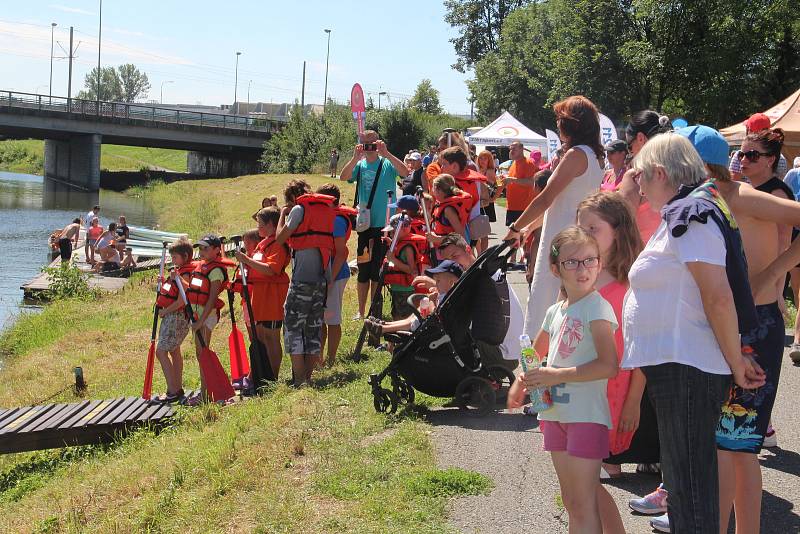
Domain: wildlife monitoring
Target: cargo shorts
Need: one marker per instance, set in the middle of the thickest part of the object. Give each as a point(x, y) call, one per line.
point(302, 322)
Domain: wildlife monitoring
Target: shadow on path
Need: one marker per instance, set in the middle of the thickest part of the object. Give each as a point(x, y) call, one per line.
point(500, 421)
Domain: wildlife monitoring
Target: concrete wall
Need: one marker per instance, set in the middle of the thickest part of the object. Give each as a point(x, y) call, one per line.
point(75, 161)
point(210, 164)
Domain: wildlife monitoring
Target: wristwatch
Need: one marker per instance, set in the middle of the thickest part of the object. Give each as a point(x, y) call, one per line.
point(511, 227)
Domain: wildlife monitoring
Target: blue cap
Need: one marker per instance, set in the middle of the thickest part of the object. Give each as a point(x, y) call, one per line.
point(406, 202)
point(447, 266)
point(709, 143)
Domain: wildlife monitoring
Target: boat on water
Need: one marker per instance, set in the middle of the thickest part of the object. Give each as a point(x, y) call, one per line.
point(154, 235)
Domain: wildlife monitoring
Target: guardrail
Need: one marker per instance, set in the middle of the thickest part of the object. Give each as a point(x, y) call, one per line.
point(88, 109)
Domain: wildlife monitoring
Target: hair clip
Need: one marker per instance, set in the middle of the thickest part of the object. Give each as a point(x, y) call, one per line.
point(554, 251)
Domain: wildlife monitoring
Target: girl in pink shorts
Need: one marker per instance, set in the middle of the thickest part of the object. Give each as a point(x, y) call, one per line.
point(578, 336)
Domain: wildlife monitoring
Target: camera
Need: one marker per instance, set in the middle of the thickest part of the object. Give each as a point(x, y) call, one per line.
point(370, 147)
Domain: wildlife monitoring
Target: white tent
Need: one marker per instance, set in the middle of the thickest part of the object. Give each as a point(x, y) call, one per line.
point(506, 130)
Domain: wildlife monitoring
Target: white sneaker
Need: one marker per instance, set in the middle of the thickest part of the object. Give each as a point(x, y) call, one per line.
point(771, 438)
point(660, 523)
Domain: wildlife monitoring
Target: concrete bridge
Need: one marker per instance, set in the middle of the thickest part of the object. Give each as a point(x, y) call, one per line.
point(73, 130)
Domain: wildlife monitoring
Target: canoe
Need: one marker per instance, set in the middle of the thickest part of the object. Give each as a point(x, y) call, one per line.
point(154, 235)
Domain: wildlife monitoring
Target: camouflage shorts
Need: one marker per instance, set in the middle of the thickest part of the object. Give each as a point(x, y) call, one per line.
point(302, 323)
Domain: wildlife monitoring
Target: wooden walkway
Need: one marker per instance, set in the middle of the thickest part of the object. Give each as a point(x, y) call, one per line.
point(50, 426)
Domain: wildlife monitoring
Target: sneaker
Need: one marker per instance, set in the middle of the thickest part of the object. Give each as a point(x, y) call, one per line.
point(660, 523)
point(794, 353)
point(650, 469)
point(651, 504)
point(771, 438)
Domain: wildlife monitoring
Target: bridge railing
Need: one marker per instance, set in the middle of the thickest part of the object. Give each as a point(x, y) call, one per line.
point(156, 114)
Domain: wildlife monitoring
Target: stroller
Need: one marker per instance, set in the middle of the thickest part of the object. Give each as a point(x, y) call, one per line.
point(440, 358)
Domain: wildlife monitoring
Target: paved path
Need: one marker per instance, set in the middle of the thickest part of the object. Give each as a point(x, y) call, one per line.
point(508, 448)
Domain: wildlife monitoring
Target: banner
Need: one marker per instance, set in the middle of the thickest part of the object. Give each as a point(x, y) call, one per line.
point(553, 144)
point(607, 130)
point(358, 108)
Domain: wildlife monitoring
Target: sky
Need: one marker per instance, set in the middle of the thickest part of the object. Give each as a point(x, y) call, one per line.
point(190, 47)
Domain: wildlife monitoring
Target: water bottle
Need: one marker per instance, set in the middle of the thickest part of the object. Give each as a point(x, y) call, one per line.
point(529, 360)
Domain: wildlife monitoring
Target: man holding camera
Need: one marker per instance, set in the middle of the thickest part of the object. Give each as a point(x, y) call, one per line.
point(374, 170)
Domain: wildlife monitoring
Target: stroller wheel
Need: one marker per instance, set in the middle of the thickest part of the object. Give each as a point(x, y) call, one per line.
point(501, 379)
point(384, 401)
point(403, 391)
point(475, 395)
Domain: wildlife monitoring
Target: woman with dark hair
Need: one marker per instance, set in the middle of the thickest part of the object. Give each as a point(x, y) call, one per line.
point(578, 173)
point(644, 125)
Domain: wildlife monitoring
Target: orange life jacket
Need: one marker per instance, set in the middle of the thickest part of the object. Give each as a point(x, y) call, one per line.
point(262, 250)
point(349, 215)
point(420, 245)
point(418, 226)
point(461, 202)
point(169, 290)
point(467, 180)
point(316, 230)
point(200, 284)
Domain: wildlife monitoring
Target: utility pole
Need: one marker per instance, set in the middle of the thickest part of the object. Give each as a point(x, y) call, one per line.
point(99, 42)
point(327, 60)
point(236, 83)
point(303, 91)
point(379, 99)
point(69, 83)
point(472, 108)
point(52, 30)
point(248, 96)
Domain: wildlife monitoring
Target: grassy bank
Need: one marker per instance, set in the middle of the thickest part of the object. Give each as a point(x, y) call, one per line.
point(27, 156)
point(318, 459)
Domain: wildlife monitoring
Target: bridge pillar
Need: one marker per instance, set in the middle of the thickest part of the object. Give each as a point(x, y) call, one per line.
point(221, 165)
point(76, 161)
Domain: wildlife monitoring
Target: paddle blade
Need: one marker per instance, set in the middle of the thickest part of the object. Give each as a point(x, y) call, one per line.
point(236, 348)
point(259, 364)
point(217, 382)
point(147, 390)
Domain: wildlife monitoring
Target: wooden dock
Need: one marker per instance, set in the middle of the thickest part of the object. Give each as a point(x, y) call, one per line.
point(50, 426)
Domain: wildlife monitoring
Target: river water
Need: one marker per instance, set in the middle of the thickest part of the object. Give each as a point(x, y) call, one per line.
point(30, 209)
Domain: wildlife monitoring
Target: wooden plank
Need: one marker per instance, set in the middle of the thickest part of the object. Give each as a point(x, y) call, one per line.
point(110, 407)
point(152, 408)
point(74, 408)
point(86, 417)
point(132, 412)
point(110, 415)
point(30, 418)
point(72, 420)
point(16, 415)
point(8, 414)
point(42, 422)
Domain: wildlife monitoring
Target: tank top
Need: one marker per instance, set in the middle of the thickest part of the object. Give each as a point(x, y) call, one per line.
point(775, 183)
point(560, 214)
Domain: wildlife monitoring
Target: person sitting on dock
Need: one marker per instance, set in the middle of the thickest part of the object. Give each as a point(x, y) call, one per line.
point(110, 260)
point(68, 235)
point(88, 221)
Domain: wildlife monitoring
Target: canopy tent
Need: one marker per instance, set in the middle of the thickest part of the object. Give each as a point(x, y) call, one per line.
point(784, 115)
point(506, 130)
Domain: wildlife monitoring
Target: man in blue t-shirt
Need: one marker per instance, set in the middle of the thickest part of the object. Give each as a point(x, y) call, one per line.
point(368, 156)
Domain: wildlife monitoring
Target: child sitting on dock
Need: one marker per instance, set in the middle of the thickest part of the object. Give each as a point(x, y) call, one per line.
point(174, 323)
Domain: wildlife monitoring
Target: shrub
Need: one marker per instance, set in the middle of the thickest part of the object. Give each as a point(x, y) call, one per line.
point(68, 282)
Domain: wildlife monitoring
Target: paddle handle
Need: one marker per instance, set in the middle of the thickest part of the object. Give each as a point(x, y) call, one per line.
point(190, 313)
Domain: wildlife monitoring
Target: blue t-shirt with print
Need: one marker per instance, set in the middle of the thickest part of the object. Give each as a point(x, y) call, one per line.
point(792, 179)
point(340, 230)
point(386, 183)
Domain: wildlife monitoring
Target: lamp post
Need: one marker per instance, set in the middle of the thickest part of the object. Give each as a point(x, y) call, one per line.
point(236, 79)
point(161, 100)
point(327, 60)
point(52, 30)
point(248, 95)
point(99, 41)
point(379, 99)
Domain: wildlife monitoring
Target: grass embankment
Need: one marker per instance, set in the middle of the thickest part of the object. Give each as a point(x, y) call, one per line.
point(317, 459)
point(27, 156)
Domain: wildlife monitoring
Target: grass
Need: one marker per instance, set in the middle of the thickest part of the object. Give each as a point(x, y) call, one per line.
point(316, 459)
point(27, 156)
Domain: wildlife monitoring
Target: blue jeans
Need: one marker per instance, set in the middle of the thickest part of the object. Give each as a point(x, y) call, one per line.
point(687, 402)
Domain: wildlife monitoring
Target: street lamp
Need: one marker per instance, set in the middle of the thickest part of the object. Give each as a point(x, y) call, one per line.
point(161, 100)
point(248, 95)
point(379, 99)
point(52, 30)
point(99, 42)
point(236, 79)
point(327, 60)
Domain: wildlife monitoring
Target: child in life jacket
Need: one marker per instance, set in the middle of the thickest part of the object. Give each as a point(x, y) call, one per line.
point(268, 283)
point(250, 240)
point(306, 224)
point(451, 210)
point(174, 323)
point(408, 260)
point(207, 281)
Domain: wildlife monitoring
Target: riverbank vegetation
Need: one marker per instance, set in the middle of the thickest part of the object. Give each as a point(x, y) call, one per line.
point(27, 156)
point(315, 459)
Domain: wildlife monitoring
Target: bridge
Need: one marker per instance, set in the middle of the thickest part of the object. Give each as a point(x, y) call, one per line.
point(218, 144)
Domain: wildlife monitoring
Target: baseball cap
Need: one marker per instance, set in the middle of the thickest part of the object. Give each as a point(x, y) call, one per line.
point(536, 154)
point(757, 122)
point(416, 156)
point(394, 220)
point(709, 143)
point(447, 266)
point(406, 202)
point(208, 240)
point(616, 145)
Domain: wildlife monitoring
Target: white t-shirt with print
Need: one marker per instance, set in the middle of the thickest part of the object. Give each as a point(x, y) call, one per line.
point(571, 345)
point(663, 317)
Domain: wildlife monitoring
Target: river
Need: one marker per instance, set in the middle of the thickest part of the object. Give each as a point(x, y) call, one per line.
point(30, 210)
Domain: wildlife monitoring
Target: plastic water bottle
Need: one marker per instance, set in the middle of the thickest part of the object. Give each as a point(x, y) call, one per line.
point(425, 307)
point(529, 361)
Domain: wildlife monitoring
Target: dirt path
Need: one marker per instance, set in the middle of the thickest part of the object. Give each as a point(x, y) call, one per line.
point(508, 448)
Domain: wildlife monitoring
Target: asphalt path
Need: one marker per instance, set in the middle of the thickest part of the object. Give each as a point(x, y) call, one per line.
point(507, 447)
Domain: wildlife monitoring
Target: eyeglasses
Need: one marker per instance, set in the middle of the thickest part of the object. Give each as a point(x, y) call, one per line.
point(637, 176)
point(752, 155)
point(588, 263)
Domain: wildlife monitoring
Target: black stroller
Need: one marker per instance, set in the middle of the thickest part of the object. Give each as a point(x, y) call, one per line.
point(440, 358)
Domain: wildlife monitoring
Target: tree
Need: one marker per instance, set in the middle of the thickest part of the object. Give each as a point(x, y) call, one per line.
point(426, 98)
point(110, 86)
point(134, 83)
point(402, 130)
point(479, 23)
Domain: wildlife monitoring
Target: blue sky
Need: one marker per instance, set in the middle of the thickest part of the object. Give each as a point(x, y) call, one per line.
point(192, 43)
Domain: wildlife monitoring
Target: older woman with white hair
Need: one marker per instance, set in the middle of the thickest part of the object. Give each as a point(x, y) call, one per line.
point(681, 323)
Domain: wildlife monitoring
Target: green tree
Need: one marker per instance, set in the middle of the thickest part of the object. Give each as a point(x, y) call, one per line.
point(402, 130)
point(110, 85)
point(426, 98)
point(134, 83)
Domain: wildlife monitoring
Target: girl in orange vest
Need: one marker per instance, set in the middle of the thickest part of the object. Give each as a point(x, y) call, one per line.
point(451, 210)
point(268, 284)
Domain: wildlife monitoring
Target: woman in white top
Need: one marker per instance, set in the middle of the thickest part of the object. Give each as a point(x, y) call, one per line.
point(578, 174)
point(681, 329)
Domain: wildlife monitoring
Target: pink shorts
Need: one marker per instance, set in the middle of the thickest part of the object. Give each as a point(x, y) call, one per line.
point(582, 440)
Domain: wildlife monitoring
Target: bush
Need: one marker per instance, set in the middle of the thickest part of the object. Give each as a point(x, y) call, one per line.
point(67, 282)
point(402, 130)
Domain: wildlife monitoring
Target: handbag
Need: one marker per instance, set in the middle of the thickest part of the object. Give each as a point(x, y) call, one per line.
point(479, 227)
point(363, 217)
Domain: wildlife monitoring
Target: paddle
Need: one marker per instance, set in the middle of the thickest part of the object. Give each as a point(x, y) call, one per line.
point(421, 199)
point(147, 390)
point(236, 349)
point(260, 367)
point(217, 382)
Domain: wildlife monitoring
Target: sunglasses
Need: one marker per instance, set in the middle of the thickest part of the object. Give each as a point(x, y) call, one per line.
point(752, 155)
point(588, 263)
point(637, 176)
